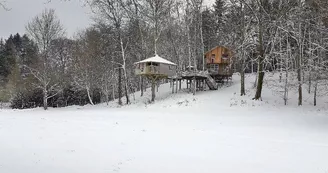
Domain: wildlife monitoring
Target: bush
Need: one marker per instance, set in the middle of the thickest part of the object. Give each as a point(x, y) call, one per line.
point(68, 97)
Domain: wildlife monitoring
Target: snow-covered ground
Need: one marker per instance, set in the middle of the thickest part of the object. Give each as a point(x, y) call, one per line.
point(214, 131)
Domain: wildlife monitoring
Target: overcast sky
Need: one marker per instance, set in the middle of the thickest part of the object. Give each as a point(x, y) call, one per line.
point(73, 15)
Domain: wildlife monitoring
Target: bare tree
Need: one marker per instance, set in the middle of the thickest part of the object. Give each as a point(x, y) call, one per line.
point(87, 65)
point(43, 29)
point(157, 12)
point(113, 12)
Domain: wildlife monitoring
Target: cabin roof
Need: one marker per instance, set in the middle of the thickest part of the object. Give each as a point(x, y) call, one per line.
point(214, 48)
point(156, 59)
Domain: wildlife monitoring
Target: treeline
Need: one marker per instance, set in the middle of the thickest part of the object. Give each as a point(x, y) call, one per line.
point(45, 68)
point(21, 68)
point(284, 36)
point(97, 65)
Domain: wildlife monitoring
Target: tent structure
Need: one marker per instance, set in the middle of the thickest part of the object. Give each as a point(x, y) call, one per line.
point(156, 66)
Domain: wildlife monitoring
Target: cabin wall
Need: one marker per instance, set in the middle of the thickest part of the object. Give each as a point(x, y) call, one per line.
point(217, 59)
point(162, 69)
point(219, 69)
point(219, 51)
point(170, 70)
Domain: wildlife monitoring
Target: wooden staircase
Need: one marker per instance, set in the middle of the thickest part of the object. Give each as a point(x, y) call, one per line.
point(201, 74)
point(211, 83)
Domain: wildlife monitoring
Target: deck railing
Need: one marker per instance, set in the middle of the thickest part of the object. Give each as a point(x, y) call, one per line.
point(148, 70)
point(152, 69)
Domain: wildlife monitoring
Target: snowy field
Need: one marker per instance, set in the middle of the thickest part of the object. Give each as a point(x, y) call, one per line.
point(214, 131)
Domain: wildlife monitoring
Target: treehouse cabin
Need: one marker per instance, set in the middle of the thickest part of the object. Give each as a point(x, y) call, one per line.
point(155, 66)
point(218, 62)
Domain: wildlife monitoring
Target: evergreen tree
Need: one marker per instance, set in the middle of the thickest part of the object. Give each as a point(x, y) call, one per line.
point(29, 53)
point(7, 59)
point(209, 29)
point(219, 11)
point(17, 40)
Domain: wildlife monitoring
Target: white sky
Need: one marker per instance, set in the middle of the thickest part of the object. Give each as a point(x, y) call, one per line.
point(72, 14)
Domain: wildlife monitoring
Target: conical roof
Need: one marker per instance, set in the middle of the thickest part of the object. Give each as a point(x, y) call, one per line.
point(156, 59)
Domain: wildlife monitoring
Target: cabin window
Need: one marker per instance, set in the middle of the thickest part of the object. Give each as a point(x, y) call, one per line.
point(152, 64)
point(214, 67)
point(225, 56)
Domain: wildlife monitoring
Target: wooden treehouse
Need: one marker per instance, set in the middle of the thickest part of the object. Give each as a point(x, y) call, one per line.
point(155, 69)
point(218, 63)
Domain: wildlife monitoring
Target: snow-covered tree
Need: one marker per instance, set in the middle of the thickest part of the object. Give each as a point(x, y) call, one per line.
point(44, 29)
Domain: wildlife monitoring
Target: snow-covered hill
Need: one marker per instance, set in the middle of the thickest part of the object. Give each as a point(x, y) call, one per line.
point(214, 131)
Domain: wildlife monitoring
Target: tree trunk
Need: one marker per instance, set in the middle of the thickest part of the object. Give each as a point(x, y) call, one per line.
point(310, 82)
point(172, 81)
point(315, 92)
point(89, 96)
point(258, 94)
point(106, 91)
point(252, 66)
point(299, 78)
point(286, 89)
point(120, 87)
point(176, 88)
point(194, 86)
point(126, 89)
point(242, 83)
point(45, 99)
point(242, 65)
point(286, 84)
point(242, 75)
point(189, 45)
point(141, 86)
point(299, 64)
point(280, 64)
point(107, 97)
point(287, 57)
point(124, 71)
point(113, 92)
point(180, 84)
point(202, 40)
point(153, 85)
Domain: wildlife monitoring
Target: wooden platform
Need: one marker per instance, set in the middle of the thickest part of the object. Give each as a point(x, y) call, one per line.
point(201, 78)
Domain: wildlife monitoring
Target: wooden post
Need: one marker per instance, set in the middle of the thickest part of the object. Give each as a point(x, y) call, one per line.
point(176, 88)
point(188, 84)
point(204, 84)
point(153, 88)
point(197, 84)
point(180, 84)
point(172, 86)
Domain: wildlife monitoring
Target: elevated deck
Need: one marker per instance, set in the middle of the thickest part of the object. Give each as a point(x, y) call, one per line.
point(200, 75)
